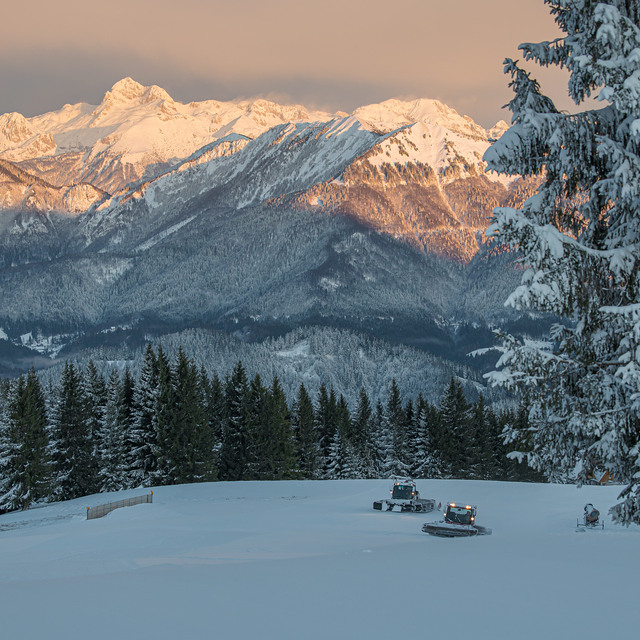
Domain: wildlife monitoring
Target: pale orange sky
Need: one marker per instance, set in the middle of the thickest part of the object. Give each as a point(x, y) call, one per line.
point(331, 54)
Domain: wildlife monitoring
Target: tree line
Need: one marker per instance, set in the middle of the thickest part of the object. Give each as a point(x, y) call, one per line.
point(176, 424)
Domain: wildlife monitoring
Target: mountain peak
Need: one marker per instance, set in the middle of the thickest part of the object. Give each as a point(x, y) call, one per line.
point(497, 130)
point(127, 90)
point(395, 113)
point(14, 129)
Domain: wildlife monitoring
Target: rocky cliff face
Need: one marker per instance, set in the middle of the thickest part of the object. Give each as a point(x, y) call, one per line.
point(21, 190)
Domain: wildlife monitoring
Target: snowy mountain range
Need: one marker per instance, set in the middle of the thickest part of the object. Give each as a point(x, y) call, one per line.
point(410, 169)
point(247, 216)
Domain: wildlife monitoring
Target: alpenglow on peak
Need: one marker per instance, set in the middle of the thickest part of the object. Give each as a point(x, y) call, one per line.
point(127, 89)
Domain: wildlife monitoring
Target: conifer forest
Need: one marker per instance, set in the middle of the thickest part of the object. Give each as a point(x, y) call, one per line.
point(176, 424)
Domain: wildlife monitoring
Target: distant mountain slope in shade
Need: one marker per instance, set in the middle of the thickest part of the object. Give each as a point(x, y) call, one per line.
point(342, 359)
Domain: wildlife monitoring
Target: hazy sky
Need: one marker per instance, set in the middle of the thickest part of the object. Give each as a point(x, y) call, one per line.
point(332, 54)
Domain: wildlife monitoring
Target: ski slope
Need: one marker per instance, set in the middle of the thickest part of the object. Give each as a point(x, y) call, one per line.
point(302, 559)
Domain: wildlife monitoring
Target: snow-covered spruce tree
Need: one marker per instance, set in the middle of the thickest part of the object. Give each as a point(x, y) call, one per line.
point(579, 240)
point(454, 422)
point(381, 442)
point(279, 454)
point(95, 394)
point(126, 420)
point(215, 403)
point(109, 438)
point(26, 470)
point(326, 423)
point(258, 433)
point(362, 427)
point(75, 466)
point(5, 447)
point(163, 421)
point(144, 444)
point(208, 434)
point(336, 458)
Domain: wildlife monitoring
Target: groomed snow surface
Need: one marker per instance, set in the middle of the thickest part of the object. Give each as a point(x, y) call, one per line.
point(302, 559)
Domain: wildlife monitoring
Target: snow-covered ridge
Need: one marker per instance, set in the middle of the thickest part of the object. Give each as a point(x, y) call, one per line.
point(392, 114)
point(410, 169)
point(138, 132)
point(323, 165)
point(140, 127)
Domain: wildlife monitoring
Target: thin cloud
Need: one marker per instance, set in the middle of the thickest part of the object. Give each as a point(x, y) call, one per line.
point(331, 54)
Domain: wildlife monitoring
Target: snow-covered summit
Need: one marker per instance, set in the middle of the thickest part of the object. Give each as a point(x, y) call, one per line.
point(14, 129)
point(497, 130)
point(136, 131)
point(127, 90)
point(413, 169)
point(392, 114)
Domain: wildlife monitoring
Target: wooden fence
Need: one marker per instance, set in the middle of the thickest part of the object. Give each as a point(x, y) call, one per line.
point(103, 509)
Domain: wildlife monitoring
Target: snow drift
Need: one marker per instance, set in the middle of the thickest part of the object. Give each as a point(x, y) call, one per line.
point(313, 560)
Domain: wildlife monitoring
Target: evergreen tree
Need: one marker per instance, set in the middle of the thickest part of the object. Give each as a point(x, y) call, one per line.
point(343, 419)
point(5, 448)
point(143, 438)
point(37, 440)
point(233, 453)
point(163, 422)
point(326, 423)
point(381, 443)
point(191, 449)
point(352, 463)
point(75, 465)
point(110, 439)
point(429, 463)
point(126, 420)
point(208, 440)
point(215, 410)
point(454, 412)
point(481, 460)
point(304, 430)
point(410, 428)
point(395, 425)
point(95, 392)
point(362, 429)
point(258, 466)
point(335, 468)
point(342, 460)
point(514, 467)
point(280, 453)
point(579, 239)
point(26, 468)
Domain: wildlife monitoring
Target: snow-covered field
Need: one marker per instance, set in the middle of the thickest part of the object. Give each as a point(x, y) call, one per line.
point(314, 560)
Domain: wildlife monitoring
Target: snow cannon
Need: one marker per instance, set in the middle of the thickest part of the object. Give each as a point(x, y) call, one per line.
point(590, 518)
point(405, 497)
point(459, 522)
